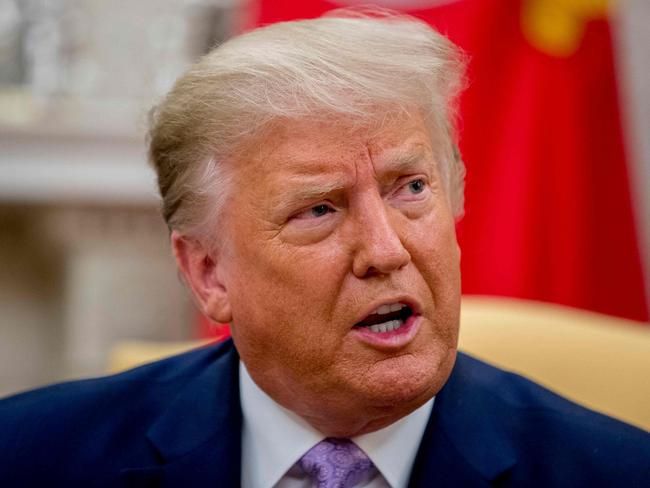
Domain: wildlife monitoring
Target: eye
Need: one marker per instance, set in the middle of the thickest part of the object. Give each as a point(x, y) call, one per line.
point(320, 210)
point(416, 186)
point(411, 190)
point(316, 211)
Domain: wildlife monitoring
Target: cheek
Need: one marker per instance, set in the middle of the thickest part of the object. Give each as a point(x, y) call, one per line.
point(306, 276)
point(432, 243)
point(435, 253)
point(287, 294)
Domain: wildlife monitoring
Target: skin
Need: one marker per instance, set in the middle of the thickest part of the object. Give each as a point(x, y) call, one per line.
point(323, 223)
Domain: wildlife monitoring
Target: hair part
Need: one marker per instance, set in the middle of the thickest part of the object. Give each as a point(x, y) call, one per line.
point(358, 66)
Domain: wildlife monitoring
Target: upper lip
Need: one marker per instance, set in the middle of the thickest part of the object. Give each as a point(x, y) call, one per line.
point(407, 300)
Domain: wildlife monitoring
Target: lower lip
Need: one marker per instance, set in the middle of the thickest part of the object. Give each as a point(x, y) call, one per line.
point(393, 340)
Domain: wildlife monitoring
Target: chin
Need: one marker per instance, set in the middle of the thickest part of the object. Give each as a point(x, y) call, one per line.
point(408, 380)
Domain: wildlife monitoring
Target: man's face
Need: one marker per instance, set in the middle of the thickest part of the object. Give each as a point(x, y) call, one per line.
point(328, 230)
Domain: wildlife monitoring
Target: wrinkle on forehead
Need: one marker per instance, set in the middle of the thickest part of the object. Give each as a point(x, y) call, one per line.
point(312, 147)
point(373, 128)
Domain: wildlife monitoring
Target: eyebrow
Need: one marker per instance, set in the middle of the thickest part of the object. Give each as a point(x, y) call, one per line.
point(315, 189)
point(402, 160)
point(309, 187)
point(305, 189)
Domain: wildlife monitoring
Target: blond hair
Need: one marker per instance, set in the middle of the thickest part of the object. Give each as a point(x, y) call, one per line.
point(349, 65)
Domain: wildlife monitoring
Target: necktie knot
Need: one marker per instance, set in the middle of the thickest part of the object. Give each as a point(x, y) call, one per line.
point(336, 463)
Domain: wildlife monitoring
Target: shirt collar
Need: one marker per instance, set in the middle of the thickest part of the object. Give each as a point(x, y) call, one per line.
point(274, 438)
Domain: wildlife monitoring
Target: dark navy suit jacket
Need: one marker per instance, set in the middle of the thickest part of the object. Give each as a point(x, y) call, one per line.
point(177, 422)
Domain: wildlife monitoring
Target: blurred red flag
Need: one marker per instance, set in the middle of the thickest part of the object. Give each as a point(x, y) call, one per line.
point(548, 207)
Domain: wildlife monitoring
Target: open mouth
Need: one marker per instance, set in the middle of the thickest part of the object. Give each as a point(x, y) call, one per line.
point(387, 318)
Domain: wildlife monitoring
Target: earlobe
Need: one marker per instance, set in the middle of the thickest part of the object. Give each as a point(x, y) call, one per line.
point(202, 273)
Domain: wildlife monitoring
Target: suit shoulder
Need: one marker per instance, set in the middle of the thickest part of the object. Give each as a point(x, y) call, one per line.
point(93, 420)
point(174, 370)
point(553, 434)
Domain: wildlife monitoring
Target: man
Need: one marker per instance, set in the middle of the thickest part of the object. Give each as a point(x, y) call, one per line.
point(311, 184)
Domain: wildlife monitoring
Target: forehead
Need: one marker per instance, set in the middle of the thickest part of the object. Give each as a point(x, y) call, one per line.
point(318, 147)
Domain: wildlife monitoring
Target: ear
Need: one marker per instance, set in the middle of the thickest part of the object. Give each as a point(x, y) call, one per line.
point(201, 270)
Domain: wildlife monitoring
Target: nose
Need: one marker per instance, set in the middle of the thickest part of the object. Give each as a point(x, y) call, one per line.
point(380, 249)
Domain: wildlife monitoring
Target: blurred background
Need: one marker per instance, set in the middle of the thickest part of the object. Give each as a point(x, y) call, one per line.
point(554, 133)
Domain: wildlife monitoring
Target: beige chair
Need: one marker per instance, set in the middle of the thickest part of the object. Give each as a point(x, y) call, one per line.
point(596, 360)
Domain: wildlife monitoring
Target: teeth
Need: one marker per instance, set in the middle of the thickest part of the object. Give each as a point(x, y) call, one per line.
point(391, 307)
point(383, 310)
point(389, 326)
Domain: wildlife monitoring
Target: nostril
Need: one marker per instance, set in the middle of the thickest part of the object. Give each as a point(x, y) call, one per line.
point(379, 255)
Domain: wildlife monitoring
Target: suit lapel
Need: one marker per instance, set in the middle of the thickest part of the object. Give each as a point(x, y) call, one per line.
point(465, 442)
point(198, 438)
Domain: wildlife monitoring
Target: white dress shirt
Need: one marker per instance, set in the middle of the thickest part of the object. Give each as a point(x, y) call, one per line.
point(274, 439)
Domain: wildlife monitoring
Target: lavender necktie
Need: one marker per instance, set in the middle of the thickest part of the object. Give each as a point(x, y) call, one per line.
point(335, 463)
